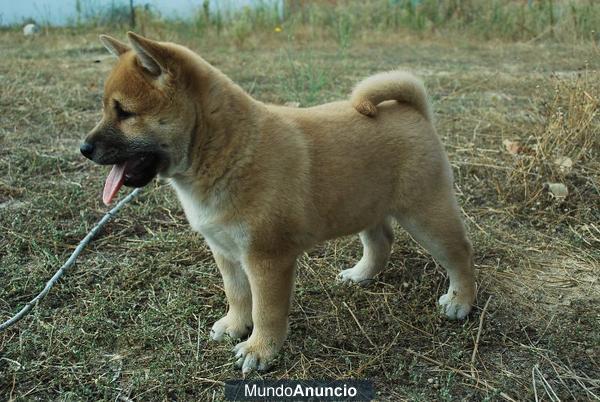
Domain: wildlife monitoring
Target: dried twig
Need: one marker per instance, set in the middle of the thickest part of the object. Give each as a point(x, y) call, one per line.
point(534, 385)
point(547, 387)
point(84, 242)
point(209, 381)
point(359, 326)
point(481, 317)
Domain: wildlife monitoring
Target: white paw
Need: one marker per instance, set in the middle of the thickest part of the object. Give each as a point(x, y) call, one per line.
point(231, 326)
point(457, 305)
point(251, 355)
point(358, 274)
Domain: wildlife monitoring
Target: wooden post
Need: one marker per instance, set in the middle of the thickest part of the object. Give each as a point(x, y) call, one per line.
point(131, 14)
point(551, 10)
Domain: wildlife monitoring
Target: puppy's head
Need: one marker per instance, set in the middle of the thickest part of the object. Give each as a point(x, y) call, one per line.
point(147, 119)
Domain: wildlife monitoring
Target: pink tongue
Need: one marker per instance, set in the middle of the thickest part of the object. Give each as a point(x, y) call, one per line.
point(114, 181)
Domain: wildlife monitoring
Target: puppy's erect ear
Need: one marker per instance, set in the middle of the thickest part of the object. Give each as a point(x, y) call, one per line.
point(151, 54)
point(114, 46)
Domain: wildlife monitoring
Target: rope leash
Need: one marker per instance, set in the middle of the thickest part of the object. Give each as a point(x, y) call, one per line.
point(84, 242)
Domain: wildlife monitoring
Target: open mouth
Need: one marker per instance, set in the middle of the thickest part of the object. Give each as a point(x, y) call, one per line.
point(134, 172)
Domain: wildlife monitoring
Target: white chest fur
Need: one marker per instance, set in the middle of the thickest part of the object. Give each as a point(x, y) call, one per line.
point(226, 238)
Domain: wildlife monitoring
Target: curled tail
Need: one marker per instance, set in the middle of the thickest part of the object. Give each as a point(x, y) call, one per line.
point(393, 85)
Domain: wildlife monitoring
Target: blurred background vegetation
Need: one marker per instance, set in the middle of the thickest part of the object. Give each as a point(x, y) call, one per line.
point(344, 20)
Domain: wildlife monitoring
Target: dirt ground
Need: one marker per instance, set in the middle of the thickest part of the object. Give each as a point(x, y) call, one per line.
point(131, 320)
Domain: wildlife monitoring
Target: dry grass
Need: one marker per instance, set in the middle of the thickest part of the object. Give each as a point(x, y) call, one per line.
point(132, 319)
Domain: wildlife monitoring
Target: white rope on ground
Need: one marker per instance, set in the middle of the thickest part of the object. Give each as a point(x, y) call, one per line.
point(84, 242)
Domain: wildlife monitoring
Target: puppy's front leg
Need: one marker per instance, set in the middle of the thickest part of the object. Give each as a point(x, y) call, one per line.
point(272, 281)
point(238, 321)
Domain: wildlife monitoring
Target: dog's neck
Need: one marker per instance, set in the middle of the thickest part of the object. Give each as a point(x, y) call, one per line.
point(224, 135)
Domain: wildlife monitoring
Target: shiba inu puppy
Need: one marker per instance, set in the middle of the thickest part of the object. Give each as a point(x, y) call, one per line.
point(263, 183)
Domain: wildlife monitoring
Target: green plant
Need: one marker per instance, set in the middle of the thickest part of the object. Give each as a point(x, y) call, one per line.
point(306, 80)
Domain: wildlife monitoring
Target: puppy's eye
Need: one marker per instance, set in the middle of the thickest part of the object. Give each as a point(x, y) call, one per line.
point(122, 114)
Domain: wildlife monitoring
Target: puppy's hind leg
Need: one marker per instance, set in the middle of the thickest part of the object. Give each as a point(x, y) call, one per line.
point(438, 227)
point(377, 245)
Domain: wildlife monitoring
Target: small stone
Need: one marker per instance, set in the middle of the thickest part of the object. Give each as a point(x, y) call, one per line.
point(558, 190)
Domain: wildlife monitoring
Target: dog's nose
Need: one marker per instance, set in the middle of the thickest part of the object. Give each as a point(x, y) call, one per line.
point(86, 149)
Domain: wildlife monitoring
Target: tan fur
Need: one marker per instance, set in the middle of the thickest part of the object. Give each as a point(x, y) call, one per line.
point(264, 183)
